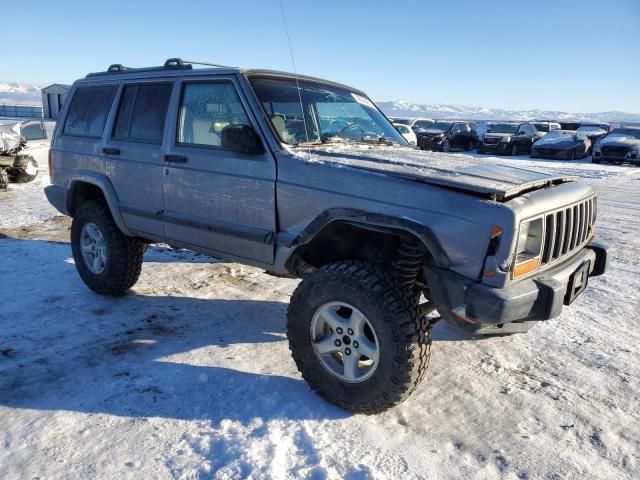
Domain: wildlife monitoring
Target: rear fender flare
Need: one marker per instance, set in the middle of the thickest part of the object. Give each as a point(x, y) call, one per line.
point(104, 184)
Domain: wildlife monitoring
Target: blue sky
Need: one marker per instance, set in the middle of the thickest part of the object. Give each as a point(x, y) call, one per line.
point(580, 56)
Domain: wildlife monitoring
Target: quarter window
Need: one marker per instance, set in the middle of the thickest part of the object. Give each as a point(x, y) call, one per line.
point(142, 113)
point(88, 111)
point(205, 110)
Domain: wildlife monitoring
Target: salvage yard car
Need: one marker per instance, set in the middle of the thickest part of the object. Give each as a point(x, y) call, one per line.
point(215, 160)
point(446, 136)
point(408, 134)
point(15, 165)
point(620, 145)
point(508, 138)
point(562, 144)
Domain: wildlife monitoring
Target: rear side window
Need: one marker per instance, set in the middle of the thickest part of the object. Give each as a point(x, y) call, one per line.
point(88, 111)
point(142, 113)
point(205, 109)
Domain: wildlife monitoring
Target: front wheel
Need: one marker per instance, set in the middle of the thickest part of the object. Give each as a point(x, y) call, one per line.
point(514, 150)
point(108, 261)
point(470, 147)
point(357, 337)
point(446, 146)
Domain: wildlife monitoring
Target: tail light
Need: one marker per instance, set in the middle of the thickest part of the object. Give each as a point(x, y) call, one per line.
point(50, 165)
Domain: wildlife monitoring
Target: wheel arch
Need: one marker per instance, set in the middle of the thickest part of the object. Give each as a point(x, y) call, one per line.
point(87, 185)
point(328, 224)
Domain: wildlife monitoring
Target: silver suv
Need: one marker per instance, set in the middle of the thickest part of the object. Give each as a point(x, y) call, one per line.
point(307, 178)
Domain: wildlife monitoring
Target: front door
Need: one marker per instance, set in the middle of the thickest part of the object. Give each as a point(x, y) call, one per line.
point(216, 198)
point(135, 150)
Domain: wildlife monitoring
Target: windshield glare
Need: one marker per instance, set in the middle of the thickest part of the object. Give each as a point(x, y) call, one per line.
point(627, 132)
point(502, 128)
point(330, 112)
point(560, 133)
point(440, 126)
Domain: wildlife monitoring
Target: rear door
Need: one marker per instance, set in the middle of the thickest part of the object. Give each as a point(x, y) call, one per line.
point(216, 198)
point(135, 146)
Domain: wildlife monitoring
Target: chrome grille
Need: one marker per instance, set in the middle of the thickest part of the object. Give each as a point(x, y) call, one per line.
point(567, 229)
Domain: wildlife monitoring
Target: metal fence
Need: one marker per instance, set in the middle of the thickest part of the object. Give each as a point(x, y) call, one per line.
point(21, 111)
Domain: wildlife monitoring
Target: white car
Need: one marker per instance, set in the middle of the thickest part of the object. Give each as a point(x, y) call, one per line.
point(414, 123)
point(408, 134)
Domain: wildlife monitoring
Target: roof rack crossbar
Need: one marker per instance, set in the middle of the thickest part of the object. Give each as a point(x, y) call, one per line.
point(174, 63)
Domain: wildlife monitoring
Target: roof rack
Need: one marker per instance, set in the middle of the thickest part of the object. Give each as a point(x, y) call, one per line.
point(170, 64)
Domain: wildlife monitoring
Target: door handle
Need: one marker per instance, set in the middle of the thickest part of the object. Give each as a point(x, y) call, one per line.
point(111, 151)
point(175, 159)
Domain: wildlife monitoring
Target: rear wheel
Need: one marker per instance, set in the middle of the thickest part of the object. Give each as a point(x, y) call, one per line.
point(108, 261)
point(357, 337)
point(470, 146)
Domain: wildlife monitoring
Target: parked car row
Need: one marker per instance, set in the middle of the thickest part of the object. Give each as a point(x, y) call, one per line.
point(554, 140)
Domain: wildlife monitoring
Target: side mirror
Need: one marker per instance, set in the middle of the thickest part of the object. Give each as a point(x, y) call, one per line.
point(241, 139)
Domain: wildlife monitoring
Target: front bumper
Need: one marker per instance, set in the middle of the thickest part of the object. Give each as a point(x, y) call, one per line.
point(629, 157)
point(497, 148)
point(475, 307)
point(555, 154)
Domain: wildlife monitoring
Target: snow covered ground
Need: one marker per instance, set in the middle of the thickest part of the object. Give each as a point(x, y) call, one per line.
point(189, 375)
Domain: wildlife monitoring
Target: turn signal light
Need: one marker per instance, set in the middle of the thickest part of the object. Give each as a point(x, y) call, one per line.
point(525, 267)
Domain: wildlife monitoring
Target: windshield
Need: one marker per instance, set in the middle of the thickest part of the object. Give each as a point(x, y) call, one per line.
point(403, 121)
point(502, 128)
point(627, 132)
point(440, 126)
point(331, 113)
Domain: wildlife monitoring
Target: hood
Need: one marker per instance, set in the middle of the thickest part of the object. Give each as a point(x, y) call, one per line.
point(460, 172)
point(625, 140)
point(499, 135)
point(429, 131)
point(556, 142)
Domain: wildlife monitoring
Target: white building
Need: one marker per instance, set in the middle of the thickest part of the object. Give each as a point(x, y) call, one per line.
point(53, 97)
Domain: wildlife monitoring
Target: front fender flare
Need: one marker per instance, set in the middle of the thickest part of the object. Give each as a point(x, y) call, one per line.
point(104, 184)
point(372, 221)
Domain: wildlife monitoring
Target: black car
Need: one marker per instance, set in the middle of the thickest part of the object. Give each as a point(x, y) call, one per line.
point(562, 144)
point(508, 138)
point(444, 136)
point(620, 145)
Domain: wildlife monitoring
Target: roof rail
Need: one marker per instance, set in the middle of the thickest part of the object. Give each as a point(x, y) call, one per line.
point(170, 64)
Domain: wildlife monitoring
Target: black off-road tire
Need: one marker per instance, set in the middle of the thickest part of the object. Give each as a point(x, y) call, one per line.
point(403, 335)
point(4, 180)
point(125, 254)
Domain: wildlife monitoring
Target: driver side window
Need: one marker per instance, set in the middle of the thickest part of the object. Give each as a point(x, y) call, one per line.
point(205, 109)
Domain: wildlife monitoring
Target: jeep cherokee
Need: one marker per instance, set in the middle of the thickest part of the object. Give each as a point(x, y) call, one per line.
point(307, 178)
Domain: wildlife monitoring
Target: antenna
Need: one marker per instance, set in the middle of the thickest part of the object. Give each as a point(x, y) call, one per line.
point(295, 71)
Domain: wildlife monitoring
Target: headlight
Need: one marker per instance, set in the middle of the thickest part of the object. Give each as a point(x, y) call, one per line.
point(505, 139)
point(529, 247)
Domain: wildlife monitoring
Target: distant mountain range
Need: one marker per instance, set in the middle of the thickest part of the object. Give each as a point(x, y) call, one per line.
point(17, 94)
point(400, 108)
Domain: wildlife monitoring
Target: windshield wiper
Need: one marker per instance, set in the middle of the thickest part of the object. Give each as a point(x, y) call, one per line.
point(325, 141)
point(379, 140)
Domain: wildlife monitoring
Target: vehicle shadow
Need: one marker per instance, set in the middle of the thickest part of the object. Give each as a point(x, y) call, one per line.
point(146, 355)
